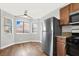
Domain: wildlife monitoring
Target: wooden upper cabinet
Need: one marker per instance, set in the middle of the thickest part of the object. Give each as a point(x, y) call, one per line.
point(74, 7)
point(64, 15)
point(65, 11)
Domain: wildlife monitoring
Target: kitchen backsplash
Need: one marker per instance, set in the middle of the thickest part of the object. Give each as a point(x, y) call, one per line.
point(67, 30)
point(67, 34)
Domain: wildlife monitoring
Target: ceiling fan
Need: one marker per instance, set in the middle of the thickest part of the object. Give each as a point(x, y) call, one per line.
point(25, 15)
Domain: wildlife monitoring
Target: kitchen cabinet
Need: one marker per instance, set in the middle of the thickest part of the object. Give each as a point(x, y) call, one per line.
point(64, 15)
point(74, 7)
point(65, 11)
point(61, 51)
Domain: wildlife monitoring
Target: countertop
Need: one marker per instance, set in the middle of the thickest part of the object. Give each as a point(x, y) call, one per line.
point(63, 36)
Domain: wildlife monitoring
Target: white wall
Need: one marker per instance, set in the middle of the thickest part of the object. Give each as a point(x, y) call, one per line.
point(0, 27)
point(54, 13)
point(6, 38)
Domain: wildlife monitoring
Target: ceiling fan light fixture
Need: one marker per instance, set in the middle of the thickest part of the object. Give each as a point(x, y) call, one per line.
point(25, 15)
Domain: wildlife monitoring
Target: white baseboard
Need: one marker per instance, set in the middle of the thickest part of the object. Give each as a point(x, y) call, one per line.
point(27, 41)
point(19, 43)
point(7, 46)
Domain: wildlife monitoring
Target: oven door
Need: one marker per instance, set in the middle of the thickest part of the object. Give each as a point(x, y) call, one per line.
point(72, 46)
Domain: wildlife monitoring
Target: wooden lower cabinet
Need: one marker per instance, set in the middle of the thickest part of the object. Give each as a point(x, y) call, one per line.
point(61, 46)
point(61, 49)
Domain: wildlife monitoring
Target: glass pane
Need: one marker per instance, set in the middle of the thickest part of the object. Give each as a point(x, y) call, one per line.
point(34, 27)
point(26, 27)
point(7, 25)
point(19, 26)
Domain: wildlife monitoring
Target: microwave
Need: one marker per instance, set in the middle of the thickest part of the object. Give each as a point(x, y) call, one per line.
point(74, 18)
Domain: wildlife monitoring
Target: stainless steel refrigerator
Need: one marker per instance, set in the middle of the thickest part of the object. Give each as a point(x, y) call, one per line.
point(50, 29)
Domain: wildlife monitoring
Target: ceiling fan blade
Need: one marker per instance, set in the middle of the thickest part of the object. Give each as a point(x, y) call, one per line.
point(23, 16)
point(29, 16)
point(19, 15)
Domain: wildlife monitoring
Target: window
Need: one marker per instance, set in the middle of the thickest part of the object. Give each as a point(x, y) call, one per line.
point(19, 26)
point(26, 27)
point(34, 28)
point(7, 25)
point(22, 27)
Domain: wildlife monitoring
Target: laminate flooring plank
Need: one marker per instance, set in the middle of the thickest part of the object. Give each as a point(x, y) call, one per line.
point(23, 49)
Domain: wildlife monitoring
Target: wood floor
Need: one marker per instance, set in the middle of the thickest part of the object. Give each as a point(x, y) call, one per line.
point(23, 49)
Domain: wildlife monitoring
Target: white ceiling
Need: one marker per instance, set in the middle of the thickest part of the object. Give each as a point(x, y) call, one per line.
point(36, 10)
